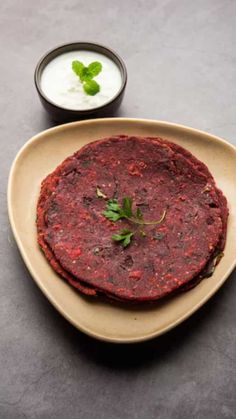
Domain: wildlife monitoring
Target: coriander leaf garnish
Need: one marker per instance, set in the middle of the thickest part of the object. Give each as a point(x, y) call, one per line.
point(86, 75)
point(127, 207)
point(115, 212)
point(124, 236)
point(91, 87)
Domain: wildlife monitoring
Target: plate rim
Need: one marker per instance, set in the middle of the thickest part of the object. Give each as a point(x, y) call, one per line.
point(37, 138)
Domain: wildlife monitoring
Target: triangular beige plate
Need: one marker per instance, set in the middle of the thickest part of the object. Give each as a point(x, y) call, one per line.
point(97, 318)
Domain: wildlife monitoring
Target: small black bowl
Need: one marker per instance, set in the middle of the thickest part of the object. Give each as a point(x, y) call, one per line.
point(61, 114)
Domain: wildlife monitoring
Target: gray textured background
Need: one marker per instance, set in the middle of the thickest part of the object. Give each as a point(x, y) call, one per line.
point(181, 59)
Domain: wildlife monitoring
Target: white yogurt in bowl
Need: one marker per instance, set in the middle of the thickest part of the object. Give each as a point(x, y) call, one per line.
point(63, 87)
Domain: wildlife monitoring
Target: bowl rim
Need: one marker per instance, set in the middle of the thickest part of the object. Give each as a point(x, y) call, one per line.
point(40, 65)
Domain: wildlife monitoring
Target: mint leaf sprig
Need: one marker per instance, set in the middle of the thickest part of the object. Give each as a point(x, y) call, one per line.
point(86, 75)
point(115, 212)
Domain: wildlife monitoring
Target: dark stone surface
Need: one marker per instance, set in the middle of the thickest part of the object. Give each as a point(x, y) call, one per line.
point(181, 61)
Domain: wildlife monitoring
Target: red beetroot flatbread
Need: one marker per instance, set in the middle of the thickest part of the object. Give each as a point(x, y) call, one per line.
point(47, 188)
point(74, 218)
point(216, 257)
point(204, 169)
